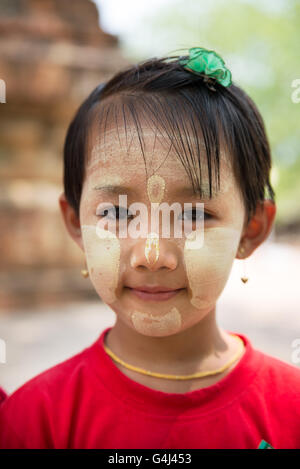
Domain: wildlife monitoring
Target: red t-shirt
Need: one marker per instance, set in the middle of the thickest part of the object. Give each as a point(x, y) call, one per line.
point(87, 402)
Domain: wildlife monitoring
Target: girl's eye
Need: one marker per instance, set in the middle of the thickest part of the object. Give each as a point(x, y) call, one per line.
point(114, 212)
point(193, 215)
point(120, 212)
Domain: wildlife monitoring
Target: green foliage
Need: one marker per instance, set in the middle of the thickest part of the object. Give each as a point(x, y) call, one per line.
point(260, 43)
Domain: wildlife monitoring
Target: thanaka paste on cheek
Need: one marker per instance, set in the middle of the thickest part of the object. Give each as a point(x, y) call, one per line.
point(209, 266)
point(209, 258)
point(102, 250)
point(154, 325)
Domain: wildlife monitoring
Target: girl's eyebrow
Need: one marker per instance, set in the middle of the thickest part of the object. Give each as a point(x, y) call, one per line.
point(115, 189)
point(121, 189)
point(191, 191)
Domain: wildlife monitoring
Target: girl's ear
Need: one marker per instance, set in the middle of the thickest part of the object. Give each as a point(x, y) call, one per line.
point(258, 228)
point(71, 220)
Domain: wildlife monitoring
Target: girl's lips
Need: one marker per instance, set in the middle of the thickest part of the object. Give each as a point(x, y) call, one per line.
point(161, 296)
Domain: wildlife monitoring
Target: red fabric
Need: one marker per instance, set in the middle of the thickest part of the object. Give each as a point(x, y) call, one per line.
point(3, 395)
point(87, 402)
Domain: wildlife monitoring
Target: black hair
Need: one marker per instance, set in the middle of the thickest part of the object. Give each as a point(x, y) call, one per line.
point(184, 105)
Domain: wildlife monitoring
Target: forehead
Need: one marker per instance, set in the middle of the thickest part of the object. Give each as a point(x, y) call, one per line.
point(127, 146)
point(124, 154)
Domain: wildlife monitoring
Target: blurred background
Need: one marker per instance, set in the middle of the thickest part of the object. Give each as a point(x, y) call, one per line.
point(52, 55)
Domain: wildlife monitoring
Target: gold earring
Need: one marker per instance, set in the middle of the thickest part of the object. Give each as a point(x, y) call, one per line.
point(85, 272)
point(244, 279)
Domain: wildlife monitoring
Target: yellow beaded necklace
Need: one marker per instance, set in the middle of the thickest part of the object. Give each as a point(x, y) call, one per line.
point(199, 374)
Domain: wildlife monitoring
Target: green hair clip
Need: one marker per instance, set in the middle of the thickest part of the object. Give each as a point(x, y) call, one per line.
point(208, 64)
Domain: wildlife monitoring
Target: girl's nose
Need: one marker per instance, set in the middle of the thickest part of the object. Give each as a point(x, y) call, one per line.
point(154, 253)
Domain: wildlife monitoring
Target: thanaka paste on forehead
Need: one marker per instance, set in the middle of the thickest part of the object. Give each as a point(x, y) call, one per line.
point(155, 324)
point(111, 144)
point(97, 151)
point(145, 132)
point(102, 250)
point(156, 188)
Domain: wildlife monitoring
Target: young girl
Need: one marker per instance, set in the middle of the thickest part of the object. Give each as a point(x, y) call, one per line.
point(167, 131)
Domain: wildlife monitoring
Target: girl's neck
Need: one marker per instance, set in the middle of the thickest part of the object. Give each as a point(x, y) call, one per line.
point(202, 346)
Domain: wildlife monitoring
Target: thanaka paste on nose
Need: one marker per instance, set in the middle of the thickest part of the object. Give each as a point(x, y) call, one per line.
point(155, 189)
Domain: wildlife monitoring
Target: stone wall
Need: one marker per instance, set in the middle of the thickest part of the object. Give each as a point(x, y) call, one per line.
point(52, 54)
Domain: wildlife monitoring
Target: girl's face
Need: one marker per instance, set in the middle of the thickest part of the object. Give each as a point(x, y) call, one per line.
point(117, 264)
